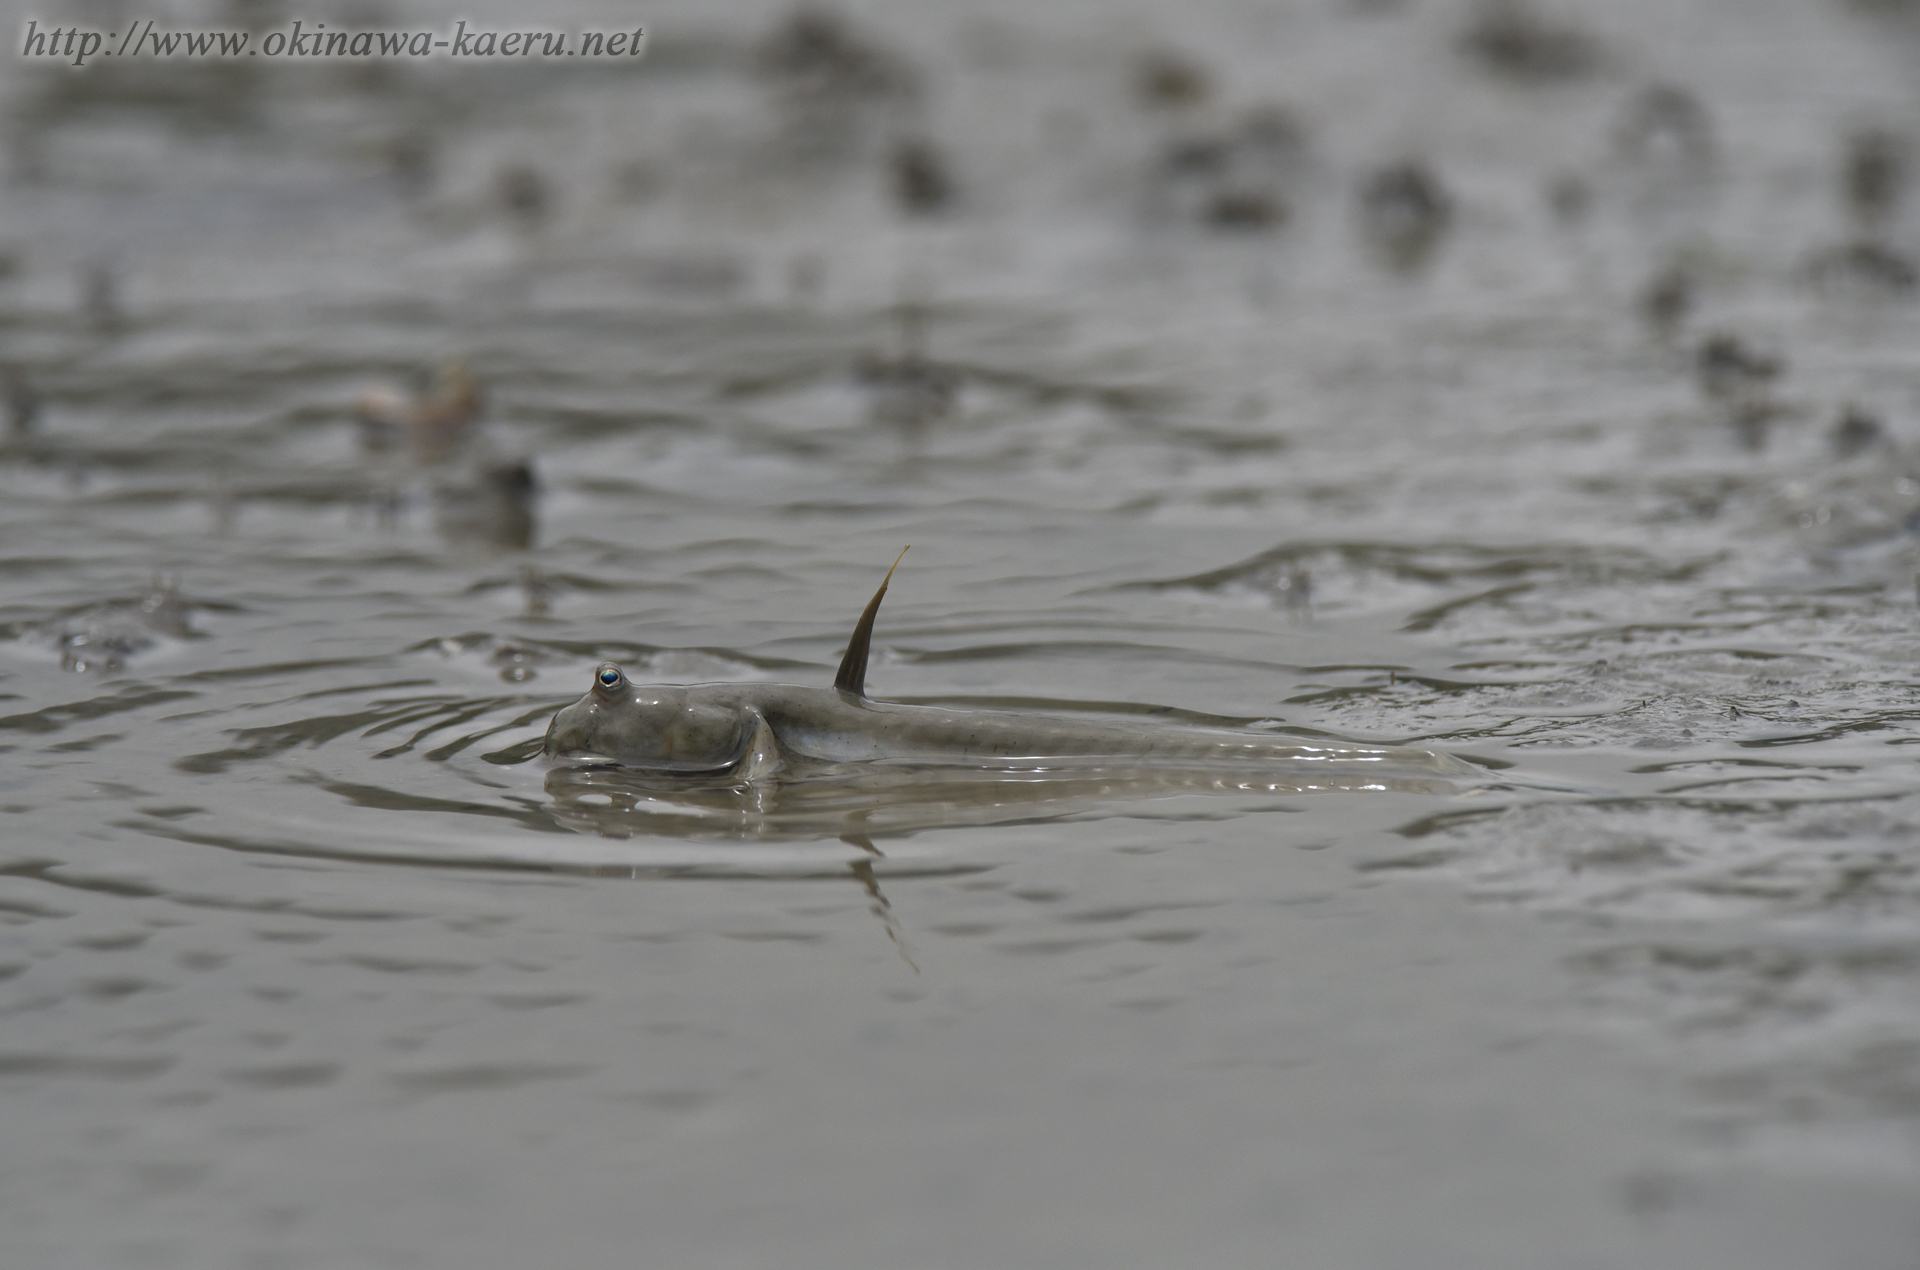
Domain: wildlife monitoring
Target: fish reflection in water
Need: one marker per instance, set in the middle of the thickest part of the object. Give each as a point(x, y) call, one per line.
point(760, 759)
point(879, 800)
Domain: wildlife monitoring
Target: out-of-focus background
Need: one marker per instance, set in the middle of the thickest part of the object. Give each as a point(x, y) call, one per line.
point(1532, 381)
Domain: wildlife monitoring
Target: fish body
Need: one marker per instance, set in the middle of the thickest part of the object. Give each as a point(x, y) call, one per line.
point(751, 732)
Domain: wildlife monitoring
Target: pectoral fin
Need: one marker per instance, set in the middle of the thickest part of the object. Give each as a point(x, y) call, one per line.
point(853, 667)
point(762, 759)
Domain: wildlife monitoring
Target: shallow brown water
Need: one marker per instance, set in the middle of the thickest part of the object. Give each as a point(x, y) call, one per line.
point(304, 962)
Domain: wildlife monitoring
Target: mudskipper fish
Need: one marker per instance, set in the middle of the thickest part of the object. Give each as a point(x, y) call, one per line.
point(754, 733)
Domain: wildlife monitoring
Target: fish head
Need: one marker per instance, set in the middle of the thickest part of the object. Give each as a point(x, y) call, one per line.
point(664, 727)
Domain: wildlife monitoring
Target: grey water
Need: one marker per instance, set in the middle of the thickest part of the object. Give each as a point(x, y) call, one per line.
point(1531, 382)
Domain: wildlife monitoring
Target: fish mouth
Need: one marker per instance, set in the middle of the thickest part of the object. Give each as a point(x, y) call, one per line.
point(582, 755)
point(553, 725)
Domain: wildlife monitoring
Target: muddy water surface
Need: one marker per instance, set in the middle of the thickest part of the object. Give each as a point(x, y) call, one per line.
point(1413, 374)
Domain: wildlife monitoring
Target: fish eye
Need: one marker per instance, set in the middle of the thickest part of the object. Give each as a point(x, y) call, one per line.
point(607, 676)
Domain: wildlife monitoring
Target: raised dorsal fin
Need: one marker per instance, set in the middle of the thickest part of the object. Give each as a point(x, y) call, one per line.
point(853, 667)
